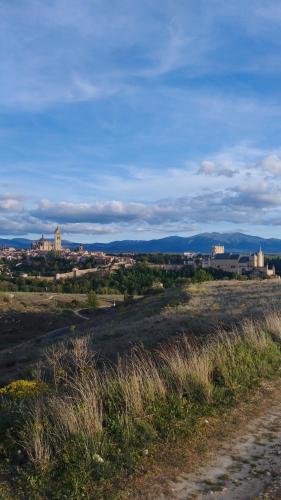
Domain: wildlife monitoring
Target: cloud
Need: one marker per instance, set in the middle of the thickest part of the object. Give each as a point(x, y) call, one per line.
point(109, 212)
point(256, 196)
point(189, 201)
point(233, 204)
point(99, 212)
point(38, 94)
point(10, 203)
point(63, 52)
point(271, 164)
point(211, 168)
point(26, 224)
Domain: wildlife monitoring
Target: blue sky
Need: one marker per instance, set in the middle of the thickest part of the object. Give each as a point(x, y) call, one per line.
point(140, 119)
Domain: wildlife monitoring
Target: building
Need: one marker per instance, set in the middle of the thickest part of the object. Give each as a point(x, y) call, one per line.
point(228, 262)
point(252, 264)
point(57, 240)
point(217, 249)
point(44, 245)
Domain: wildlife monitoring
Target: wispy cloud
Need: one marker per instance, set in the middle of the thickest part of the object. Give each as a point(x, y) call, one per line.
point(170, 108)
point(59, 52)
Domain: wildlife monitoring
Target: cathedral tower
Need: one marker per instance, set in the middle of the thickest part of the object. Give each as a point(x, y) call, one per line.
point(57, 240)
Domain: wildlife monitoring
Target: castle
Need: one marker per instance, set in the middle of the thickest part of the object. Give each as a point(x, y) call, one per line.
point(252, 264)
point(44, 245)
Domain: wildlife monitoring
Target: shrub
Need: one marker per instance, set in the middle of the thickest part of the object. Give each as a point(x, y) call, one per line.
point(23, 389)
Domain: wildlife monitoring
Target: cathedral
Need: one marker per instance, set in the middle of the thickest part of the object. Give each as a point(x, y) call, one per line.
point(44, 245)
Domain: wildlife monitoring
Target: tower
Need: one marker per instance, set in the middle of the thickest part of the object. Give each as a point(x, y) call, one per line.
point(260, 258)
point(217, 249)
point(253, 260)
point(57, 240)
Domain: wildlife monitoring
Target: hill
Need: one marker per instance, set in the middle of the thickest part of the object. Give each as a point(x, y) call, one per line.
point(233, 242)
point(25, 243)
point(15, 243)
point(147, 321)
point(77, 427)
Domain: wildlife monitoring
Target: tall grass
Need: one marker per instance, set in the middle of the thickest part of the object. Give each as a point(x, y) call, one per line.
point(35, 439)
point(273, 325)
point(95, 422)
point(188, 371)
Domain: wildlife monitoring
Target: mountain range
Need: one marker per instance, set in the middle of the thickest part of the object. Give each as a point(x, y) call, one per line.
point(233, 242)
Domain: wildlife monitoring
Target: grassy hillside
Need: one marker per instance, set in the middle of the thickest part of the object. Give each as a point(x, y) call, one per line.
point(75, 424)
point(75, 428)
point(195, 311)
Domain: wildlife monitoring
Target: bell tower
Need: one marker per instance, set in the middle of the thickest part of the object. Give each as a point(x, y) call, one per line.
point(57, 240)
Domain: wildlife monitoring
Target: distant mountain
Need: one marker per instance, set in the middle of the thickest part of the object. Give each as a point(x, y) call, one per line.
point(15, 243)
point(24, 243)
point(233, 242)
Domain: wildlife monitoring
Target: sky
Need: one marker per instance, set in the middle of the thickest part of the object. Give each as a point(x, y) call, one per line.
point(140, 119)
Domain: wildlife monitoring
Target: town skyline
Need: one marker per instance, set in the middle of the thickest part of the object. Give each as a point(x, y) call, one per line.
point(139, 120)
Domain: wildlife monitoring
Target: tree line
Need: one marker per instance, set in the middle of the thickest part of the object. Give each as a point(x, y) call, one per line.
point(139, 279)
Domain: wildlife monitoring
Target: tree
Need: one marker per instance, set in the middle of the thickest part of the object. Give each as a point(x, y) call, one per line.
point(92, 299)
point(202, 275)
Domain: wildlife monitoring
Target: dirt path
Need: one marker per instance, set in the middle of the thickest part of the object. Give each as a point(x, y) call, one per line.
point(244, 468)
point(241, 458)
point(78, 313)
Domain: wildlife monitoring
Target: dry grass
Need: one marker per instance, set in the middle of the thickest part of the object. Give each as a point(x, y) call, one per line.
point(35, 439)
point(80, 391)
point(97, 420)
point(79, 413)
point(188, 370)
point(272, 324)
point(195, 310)
point(139, 382)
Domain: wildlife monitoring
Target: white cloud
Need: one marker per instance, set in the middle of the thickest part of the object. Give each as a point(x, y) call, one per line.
point(257, 202)
point(208, 167)
point(223, 193)
point(9, 203)
point(271, 164)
